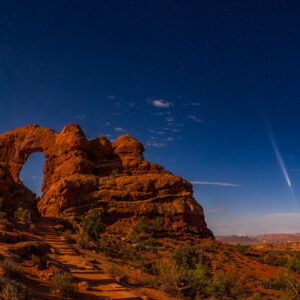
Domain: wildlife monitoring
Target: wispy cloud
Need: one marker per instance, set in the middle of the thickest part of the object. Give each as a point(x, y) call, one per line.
point(169, 119)
point(215, 183)
point(81, 116)
point(118, 129)
point(176, 130)
point(195, 103)
point(223, 207)
point(161, 103)
point(156, 132)
point(155, 144)
point(131, 104)
point(195, 118)
point(112, 97)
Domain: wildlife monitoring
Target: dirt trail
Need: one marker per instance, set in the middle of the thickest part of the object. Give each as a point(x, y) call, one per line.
point(101, 286)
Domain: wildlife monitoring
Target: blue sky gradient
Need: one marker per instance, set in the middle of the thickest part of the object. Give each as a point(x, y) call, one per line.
point(195, 81)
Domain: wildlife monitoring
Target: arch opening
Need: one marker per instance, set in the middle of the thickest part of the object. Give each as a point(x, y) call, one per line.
point(32, 174)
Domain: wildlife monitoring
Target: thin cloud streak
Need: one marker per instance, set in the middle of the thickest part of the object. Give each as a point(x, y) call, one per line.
point(215, 183)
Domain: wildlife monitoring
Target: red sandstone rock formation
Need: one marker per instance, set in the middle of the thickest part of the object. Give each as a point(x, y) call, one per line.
point(82, 174)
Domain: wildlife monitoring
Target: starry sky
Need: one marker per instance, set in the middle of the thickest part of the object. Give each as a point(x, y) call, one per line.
point(211, 88)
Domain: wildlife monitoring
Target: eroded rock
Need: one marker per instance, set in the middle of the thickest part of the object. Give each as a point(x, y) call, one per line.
point(80, 175)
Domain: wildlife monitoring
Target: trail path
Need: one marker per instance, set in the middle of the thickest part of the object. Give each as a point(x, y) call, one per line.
point(101, 286)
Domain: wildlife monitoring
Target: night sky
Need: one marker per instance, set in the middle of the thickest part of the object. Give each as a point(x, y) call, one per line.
point(210, 87)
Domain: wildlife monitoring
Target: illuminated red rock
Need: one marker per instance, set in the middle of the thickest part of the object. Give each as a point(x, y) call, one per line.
point(80, 175)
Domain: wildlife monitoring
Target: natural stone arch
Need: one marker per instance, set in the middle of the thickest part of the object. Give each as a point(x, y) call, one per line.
point(18, 144)
point(78, 177)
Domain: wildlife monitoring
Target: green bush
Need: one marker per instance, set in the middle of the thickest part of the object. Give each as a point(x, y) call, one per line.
point(170, 277)
point(185, 257)
point(158, 223)
point(12, 270)
point(116, 271)
point(150, 227)
point(142, 225)
point(275, 259)
point(108, 247)
point(36, 259)
point(152, 242)
point(3, 215)
point(68, 236)
point(92, 224)
point(130, 253)
point(284, 281)
point(32, 228)
point(242, 248)
point(4, 222)
point(132, 235)
point(293, 265)
point(189, 273)
point(23, 215)
point(226, 284)
point(63, 282)
point(1, 202)
point(11, 290)
point(115, 172)
point(83, 239)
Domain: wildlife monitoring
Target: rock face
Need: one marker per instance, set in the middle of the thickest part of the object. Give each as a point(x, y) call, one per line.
point(80, 175)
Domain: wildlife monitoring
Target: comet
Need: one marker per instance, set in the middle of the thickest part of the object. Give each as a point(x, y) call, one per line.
point(279, 157)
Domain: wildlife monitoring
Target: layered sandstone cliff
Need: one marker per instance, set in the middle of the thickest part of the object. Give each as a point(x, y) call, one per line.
point(80, 175)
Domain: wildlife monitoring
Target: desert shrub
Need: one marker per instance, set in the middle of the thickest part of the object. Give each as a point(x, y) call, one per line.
point(12, 270)
point(130, 253)
point(75, 223)
point(36, 259)
point(116, 271)
point(275, 259)
point(142, 225)
point(196, 281)
point(68, 236)
point(277, 283)
point(170, 277)
point(185, 257)
point(228, 284)
point(152, 242)
point(150, 227)
point(242, 248)
point(4, 222)
point(132, 235)
point(11, 290)
point(258, 296)
point(1, 202)
point(83, 239)
point(92, 224)
point(189, 273)
point(115, 172)
point(32, 228)
point(293, 265)
point(284, 281)
point(63, 282)
point(158, 224)
point(108, 248)
point(3, 215)
point(23, 215)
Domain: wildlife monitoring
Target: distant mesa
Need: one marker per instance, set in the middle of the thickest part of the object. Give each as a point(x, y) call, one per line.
point(81, 174)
